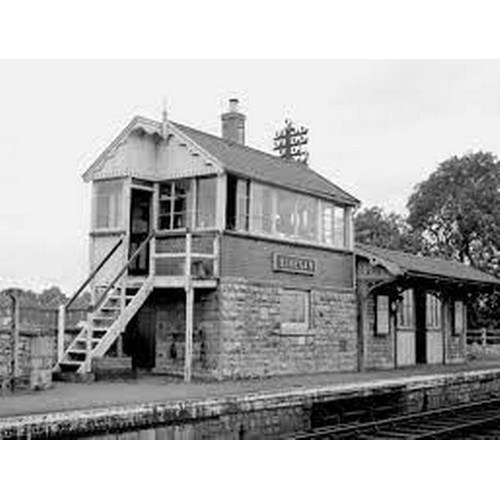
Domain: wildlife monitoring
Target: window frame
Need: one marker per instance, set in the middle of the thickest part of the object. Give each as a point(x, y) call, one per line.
point(172, 198)
point(292, 328)
point(403, 308)
point(115, 213)
point(460, 305)
point(377, 330)
point(433, 312)
point(257, 217)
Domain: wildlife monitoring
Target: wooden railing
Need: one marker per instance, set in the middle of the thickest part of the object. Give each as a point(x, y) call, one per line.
point(483, 337)
point(193, 254)
point(122, 271)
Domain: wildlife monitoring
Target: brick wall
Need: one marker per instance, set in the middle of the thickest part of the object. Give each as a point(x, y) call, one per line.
point(252, 258)
point(252, 344)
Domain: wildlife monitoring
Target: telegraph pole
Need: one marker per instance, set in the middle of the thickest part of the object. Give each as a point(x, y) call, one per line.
point(290, 141)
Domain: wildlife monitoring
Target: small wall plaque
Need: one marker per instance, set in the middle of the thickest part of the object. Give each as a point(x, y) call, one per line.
point(292, 264)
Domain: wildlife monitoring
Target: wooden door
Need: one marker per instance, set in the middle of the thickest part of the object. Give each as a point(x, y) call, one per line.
point(405, 347)
point(420, 327)
point(141, 339)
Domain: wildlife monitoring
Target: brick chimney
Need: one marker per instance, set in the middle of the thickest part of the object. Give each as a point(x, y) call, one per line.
point(233, 123)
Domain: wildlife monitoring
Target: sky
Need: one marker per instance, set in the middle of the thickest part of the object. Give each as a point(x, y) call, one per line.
point(376, 128)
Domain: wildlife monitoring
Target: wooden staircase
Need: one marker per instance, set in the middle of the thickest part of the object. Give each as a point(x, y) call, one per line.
point(116, 306)
point(104, 326)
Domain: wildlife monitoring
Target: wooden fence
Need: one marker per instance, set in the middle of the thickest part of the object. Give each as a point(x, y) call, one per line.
point(483, 337)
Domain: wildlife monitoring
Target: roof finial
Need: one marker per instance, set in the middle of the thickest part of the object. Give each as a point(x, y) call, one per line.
point(164, 118)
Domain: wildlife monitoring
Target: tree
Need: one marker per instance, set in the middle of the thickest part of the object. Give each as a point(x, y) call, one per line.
point(457, 210)
point(374, 226)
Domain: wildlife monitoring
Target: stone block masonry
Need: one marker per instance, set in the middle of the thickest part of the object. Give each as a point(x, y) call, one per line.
point(256, 416)
point(253, 343)
point(37, 354)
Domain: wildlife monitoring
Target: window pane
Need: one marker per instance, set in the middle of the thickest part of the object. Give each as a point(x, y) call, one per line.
point(108, 201)
point(285, 213)
point(262, 208)
point(382, 316)
point(206, 202)
point(242, 202)
point(327, 218)
point(459, 317)
point(307, 211)
point(339, 227)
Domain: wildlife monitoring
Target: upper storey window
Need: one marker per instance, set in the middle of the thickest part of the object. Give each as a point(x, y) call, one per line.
point(174, 204)
point(290, 215)
point(176, 210)
point(108, 204)
point(238, 204)
point(206, 202)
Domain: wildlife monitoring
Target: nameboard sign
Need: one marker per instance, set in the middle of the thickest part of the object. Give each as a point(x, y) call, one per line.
point(292, 264)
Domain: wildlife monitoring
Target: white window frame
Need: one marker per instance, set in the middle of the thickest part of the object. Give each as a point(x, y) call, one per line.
point(115, 208)
point(408, 296)
point(433, 312)
point(320, 229)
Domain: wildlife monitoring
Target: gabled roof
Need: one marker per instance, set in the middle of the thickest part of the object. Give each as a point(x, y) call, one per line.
point(240, 160)
point(409, 264)
point(256, 164)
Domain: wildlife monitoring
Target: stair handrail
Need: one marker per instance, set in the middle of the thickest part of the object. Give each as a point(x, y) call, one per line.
point(137, 252)
point(94, 273)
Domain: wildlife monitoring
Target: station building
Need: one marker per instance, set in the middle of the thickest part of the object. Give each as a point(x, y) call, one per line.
point(213, 259)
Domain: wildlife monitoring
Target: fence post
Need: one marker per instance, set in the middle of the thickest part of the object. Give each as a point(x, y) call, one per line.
point(484, 337)
point(14, 341)
point(61, 329)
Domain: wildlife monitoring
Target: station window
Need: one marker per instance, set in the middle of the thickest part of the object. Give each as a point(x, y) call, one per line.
point(206, 202)
point(174, 203)
point(238, 204)
point(381, 314)
point(290, 215)
point(405, 310)
point(294, 312)
point(108, 204)
point(458, 318)
point(433, 312)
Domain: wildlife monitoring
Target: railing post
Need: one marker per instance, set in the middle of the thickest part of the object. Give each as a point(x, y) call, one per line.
point(15, 341)
point(61, 328)
point(188, 351)
point(216, 255)
point(484, 337)
point(88, 344)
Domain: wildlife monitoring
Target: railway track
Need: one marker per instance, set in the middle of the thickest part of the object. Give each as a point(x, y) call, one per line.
point(478, 420)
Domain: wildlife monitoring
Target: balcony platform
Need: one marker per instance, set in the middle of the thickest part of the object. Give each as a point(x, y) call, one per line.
point(172, 282)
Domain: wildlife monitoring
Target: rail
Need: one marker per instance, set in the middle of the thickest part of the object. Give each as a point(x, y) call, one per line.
point(93, 274)
point(470, 420)
point(122, 271)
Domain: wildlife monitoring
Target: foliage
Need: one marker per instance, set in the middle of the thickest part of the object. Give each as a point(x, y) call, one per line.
point(374, 226)
point(456, 210)
point(50, 298)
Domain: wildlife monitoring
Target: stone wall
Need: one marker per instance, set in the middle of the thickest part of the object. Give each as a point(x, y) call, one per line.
point(257, 416)
point(37, 355)
point(171, 330)
point(379, 349)
point(253, 344)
